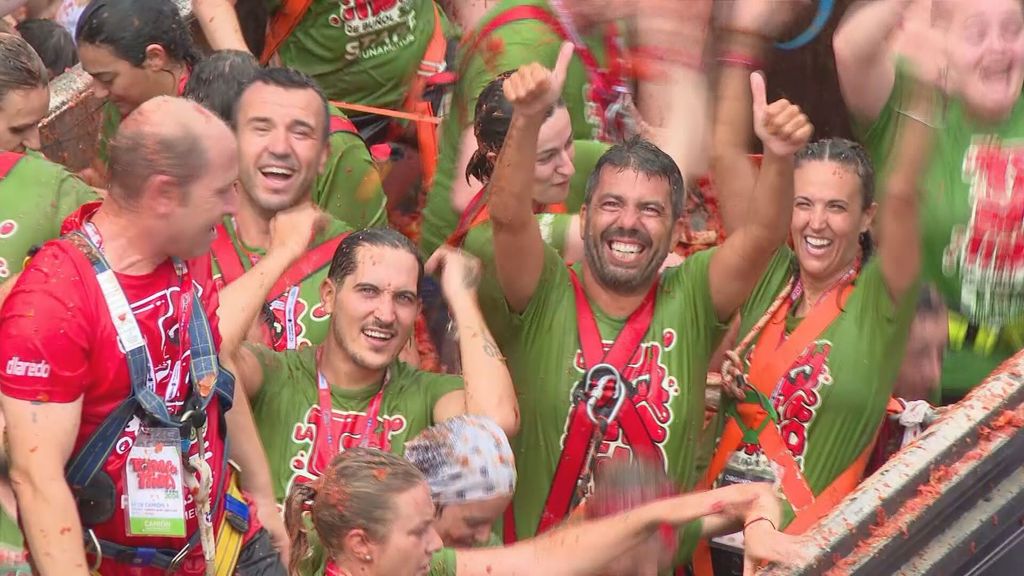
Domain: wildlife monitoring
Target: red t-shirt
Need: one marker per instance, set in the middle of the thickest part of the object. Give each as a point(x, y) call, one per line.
point(58, 344)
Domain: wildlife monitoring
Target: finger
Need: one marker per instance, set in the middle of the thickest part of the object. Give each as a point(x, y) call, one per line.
point(436, 261)
point(805, 133)
point(562, 64)
point(778, 117)
point(790, 129)
point(748, 566)
point(759, 92)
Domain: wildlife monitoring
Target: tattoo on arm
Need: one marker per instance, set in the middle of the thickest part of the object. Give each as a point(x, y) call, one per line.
point(490, 348)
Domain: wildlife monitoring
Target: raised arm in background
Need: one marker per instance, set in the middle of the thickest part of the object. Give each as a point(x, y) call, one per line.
point(862, 45)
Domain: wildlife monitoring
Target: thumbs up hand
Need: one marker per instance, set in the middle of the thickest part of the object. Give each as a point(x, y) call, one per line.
point(534, 89)
point(782, 127)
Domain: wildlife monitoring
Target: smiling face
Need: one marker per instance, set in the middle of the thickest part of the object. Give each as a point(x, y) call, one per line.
point(281, 144)
point(20, 114)
point(553, 168)
point(374, 308)
point(125, 85)
point(828, 218)
point(987, 54)
point(411, 540)
point(628, 229)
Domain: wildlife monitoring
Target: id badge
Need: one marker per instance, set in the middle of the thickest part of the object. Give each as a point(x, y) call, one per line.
point(742, 468)
point(154, 485)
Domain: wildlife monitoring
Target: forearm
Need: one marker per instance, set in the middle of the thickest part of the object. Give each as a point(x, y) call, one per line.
point(242, 300)
point(247, 451)
point(219, 23)
point(760, 502)
point(50, 522)
point(863, 36)
point(489, 390)
point(511, 189)
point(769, 212)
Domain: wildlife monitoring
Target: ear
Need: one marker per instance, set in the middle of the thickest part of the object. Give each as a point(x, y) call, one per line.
point(583, 221)
point(868, 218)
point(492, 157)
point(327, 295)
point(162, 195)
point(678, 230)
point(156, 58)
point(358, 545)
point(325, 154)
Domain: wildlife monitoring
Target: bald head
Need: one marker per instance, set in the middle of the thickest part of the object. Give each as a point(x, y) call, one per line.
point(165, 136)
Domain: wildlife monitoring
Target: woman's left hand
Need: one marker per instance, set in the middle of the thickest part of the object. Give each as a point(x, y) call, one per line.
point(762, 543)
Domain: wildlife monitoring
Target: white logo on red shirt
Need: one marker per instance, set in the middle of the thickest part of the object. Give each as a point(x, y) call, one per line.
point(18, 367)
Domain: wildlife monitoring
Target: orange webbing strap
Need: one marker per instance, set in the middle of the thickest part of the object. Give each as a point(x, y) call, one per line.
point(282, 25)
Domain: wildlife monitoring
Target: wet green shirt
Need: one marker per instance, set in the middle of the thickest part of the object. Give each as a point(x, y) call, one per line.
point(669, 370)
point(972, 224)
point(361, 52)
point(13, 559)
point(303, 307)
point(507, 48)
point(35, 197)
point(833, 399)
point(287, 411)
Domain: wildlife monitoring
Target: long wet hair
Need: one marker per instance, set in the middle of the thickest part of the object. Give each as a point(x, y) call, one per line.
point(853, 156)
point(128, 26)
point(492, 118)
point(356, 492)
point(20, 66)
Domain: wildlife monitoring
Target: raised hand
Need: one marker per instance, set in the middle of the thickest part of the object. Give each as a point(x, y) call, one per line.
point(781, 126)
point(292, 230)
point(763, 543)
point(924, 47)
point(459, 271)
point(767, 17)
point(534, 89)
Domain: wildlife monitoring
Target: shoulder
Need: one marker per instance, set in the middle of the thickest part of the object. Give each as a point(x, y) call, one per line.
point(405, 378)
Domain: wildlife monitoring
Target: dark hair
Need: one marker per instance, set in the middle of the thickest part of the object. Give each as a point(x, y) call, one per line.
point(128, 26)
point(20, 66)
point(291, 79)
point(492, 118)
point(357, 491)
point(645, 157)
point(217, 82)
point(852, 155)
point(52, 42)
point(343, 264)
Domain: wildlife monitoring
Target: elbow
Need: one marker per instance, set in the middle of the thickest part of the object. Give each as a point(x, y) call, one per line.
point(33, 484)
point(509, 422)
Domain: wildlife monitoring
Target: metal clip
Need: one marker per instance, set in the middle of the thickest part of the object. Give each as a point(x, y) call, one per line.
point(596, 385)
point(95, 543)
point(177, 560)
point(430, 68)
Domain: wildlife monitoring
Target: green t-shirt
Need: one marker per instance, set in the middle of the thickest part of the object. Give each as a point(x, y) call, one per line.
point(35, 197)
point(669, 370)
point(972, 221)
point(832, 401)
point(361, 52)
point(287, 413)
point(311, 323)
point(13, 559)
point(349, 187)
point(507, 48)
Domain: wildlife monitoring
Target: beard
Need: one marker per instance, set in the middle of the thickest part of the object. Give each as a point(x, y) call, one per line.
point(623, 280)
point(269, 205)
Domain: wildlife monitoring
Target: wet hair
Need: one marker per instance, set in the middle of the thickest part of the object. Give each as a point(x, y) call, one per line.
point(128, 26)
point(492, 118)
point(292, 79)
point(853, 156)
point(52, 42)
point(20, 66)
point(644, 157)
point(343, 264)
point(217, 81)
point(356, 492)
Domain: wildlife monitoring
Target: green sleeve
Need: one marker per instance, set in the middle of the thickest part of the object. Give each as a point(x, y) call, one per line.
point(71, 194)
point(276, 371)
point(554, 228)
point(690, 282)
point(776, 275)
point(878, 304)
point(443, 563)
point(434, 387)
point(349, 187)
point(550, 294)
point(586, 153)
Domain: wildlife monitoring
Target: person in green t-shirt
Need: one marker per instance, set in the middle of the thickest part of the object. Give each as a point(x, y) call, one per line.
point(35, 194)
point(359, 52)
point(352, 390)
point(373, 512)
point(348, 187)
point(134, 50)
point(507, 47)
point(971, 220)
point(668, 325)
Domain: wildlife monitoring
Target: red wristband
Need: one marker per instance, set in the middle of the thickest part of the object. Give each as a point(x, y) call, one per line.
point(740, 59)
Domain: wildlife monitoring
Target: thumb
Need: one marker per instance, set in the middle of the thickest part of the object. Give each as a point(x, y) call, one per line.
point(758, 92)
point(562, 64)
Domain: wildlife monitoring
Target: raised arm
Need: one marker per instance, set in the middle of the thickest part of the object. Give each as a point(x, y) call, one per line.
point(219, 23)
point(738, 264)
point(518, 245)
point(862, 48)
point(489, 390)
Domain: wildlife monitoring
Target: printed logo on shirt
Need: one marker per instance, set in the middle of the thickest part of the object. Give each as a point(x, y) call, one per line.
point(988, 252)
point(798, 398)
point(18, 367)
point(8, 228)
point(376, 27)
point(4, 270)
point(655, 389)
point(307, 434)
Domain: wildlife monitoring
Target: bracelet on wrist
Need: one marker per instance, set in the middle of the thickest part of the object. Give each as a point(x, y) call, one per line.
point(760, 519)
point(740, 59)
point(929, 122)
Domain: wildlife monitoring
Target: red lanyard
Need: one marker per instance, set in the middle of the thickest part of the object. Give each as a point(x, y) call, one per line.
point(329, 446)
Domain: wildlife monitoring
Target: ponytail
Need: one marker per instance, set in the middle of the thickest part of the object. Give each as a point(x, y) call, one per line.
point(300, 500)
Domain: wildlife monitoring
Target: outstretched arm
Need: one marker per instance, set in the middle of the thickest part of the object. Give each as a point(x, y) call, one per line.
point(489, 390)
point(518, 245)
point(862, 45)
point(738, 264)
